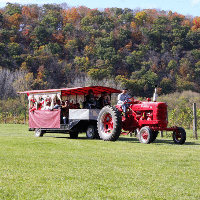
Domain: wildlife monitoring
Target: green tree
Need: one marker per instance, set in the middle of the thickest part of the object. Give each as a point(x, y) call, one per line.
point(82, 63)
point(135, 59)
point(54, 48)
point(127, 15)
point(167, 86)
point(5, 35)
point(71, 47)
point(172, 65)
point(14, 49)
point(98, 74)
point(193, 38)
point(52, 20)
point(146, 79)
point(159, 33)
point(184, 85)
point(179, 32)
point(197, 69)
point(68, 28)
point(124, 36)
point(41, 36)
point(11, 9)
point(196, 53)
point(105, 49)
point(2, 48)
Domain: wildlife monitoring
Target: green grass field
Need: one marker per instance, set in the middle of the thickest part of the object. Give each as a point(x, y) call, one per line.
point(56, 167)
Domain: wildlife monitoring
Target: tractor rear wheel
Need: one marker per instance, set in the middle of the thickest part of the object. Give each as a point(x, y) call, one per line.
point(109, 123)
point(179, 136)
point(145, 135)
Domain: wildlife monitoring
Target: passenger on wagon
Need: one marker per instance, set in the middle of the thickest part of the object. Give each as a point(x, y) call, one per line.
point(48, 104)
point(65, 112)
point(104, 100)
point(33, 106)
point(90, 100)
point(57, 106)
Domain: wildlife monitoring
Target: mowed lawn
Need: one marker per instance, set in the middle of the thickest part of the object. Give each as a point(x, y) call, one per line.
point(56, 167)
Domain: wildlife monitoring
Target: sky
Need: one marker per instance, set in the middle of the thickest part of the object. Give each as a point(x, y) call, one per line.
point(185, 7)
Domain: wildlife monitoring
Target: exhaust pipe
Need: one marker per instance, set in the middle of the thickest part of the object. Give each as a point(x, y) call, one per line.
point(155, 95)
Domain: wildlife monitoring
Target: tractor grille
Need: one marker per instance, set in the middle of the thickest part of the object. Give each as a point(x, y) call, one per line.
point(162, 112)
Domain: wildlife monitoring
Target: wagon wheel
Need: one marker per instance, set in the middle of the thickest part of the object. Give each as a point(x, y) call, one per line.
point(73, 135)
point(179, 136)
point(92, 132)
point(109, 123)
point(39, 132)
point(146, 135)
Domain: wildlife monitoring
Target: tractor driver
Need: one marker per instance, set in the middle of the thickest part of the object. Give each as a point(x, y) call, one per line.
point(122, 99)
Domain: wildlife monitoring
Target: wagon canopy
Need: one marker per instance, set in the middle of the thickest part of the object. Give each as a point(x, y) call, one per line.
point(74, 91)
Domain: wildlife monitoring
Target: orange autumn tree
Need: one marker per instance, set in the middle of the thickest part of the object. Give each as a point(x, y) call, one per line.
point(39, 81)
point(70, 15)
point(141, 18)
point(196, 23)
point(30, 12)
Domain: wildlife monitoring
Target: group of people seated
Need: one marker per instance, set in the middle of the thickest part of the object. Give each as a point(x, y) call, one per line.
point(64, 106)
point(93, 102)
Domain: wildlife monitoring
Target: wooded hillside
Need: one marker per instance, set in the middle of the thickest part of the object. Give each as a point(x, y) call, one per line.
point(53, 46)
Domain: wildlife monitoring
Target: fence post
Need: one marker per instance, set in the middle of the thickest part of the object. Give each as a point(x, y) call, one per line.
point(195, 121)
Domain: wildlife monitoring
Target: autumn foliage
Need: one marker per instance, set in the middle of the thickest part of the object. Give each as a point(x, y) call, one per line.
point(49, 46)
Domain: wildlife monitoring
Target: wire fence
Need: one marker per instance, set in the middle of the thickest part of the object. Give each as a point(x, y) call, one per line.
point(15, 118)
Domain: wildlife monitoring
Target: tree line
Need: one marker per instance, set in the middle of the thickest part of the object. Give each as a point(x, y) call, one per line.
point(53, 45)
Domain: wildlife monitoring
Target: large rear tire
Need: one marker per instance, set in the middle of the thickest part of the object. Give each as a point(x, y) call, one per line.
point(109, 123)
point(179, 136)
point(146, 136)
point(91, 132)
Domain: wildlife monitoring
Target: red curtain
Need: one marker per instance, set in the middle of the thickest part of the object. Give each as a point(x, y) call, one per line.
point(44, 119)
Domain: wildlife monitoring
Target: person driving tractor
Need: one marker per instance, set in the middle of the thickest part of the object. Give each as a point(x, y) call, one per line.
point(122, 99)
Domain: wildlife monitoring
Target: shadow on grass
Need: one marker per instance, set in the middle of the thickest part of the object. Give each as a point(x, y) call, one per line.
point(168, 141)
point(158, 141)
point(65, 137)
point(127, 139)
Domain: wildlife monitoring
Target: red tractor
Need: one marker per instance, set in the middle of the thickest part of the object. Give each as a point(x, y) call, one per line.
point(144, 118)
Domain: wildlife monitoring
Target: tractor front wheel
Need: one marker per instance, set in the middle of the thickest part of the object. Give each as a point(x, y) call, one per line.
point(145, 135)
point(179, 136)
point(109, 123)
point(155, 134)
